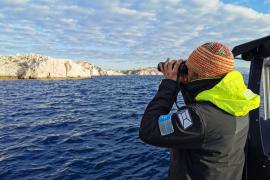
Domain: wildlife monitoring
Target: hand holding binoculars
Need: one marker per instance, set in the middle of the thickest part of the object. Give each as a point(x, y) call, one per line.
point(182, 70)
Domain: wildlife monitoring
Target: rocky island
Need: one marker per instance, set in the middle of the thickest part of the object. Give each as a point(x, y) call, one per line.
point(142, 71)
point(35, 66)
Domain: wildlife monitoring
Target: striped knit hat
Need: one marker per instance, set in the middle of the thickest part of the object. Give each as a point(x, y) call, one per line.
point(211, 59)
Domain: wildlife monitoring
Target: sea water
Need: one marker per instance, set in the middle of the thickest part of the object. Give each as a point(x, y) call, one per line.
point(78, 129)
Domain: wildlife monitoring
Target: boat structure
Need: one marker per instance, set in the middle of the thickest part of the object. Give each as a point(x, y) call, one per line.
point(257, 166)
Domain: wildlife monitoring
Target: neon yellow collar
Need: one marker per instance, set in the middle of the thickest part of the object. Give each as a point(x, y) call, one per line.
point(231, 95)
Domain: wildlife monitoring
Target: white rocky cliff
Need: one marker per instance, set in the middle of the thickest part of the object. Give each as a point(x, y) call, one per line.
point(43, 67)
point(40, 67)
point(114, 73)
point(94, 70)
point(143, 71)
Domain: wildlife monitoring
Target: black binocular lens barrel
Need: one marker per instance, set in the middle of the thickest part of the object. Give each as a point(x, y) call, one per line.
point(159, 65)
point(183, 69)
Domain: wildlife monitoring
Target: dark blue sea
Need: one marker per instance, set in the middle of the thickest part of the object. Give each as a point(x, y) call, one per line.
point(78, 129)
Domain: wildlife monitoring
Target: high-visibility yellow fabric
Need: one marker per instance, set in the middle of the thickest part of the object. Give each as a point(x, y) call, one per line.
point(231, 95)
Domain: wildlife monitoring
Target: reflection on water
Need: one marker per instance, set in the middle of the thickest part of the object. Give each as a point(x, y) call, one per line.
point(74, 129)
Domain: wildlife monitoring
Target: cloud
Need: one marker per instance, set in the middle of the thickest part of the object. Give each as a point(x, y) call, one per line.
point(135, 33)
point(18, 2)
point(131, 12)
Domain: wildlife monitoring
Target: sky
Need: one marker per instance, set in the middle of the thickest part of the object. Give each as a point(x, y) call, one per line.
point(127, 34)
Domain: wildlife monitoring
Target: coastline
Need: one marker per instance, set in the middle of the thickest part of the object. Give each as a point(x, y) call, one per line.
point(8, 78)
point(74, 78)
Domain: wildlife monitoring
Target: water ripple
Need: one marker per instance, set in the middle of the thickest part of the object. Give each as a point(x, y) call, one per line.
point(77, 129)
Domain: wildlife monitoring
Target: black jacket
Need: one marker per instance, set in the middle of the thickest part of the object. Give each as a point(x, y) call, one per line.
point(206, 142)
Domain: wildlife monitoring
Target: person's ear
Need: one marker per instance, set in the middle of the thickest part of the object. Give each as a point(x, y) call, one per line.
point(196, 75)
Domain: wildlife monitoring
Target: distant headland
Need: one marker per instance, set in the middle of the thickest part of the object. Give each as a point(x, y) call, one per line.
point(34, 66)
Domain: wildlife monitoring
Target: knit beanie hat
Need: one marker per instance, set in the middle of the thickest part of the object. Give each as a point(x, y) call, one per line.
point(211, 59)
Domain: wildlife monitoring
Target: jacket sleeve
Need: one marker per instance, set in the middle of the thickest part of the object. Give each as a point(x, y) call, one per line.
point(183, 129)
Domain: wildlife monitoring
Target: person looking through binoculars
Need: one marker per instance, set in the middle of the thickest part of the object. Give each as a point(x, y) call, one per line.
point(208, 134)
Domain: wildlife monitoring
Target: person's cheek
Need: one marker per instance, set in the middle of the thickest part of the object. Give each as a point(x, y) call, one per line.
point(189, 76)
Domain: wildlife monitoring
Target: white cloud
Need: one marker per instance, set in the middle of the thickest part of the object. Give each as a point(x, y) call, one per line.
point(19, 2)
point(174, 1)
point(68, 21)
point(234, 10)
point(75, 9)
point(135, 33)
point(209, 4)
point(131, 12)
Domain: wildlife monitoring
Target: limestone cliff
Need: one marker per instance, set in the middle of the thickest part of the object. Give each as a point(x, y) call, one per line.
point(114, 73)
point(143, 71)
point(94, 70)
point(35, 66)
point(40, 67)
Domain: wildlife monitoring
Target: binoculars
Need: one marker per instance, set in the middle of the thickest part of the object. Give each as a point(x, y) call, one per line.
point(182, 70)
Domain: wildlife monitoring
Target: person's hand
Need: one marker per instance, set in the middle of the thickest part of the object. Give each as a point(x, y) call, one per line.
point(170, 70)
